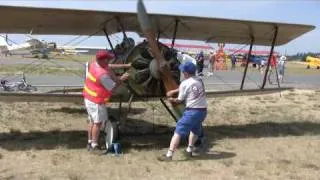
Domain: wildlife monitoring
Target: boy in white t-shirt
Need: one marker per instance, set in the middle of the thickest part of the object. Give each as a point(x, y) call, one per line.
point(192, 92)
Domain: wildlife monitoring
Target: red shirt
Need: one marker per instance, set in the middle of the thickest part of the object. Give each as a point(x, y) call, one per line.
point(273, 62)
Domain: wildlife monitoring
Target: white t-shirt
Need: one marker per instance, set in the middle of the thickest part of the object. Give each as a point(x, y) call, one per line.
point(192, 91)
point(281, 63)
point(183, 58)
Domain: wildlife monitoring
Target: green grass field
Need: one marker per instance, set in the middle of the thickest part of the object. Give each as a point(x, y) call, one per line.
point(80, 58)
point(299, 68)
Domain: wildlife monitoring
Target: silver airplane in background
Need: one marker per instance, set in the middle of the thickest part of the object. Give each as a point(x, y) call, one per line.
point(31, 46)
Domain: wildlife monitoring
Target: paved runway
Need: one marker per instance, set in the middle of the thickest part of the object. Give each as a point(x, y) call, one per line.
point(223, 80)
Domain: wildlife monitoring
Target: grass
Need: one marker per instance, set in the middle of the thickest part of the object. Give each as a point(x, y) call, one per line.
point(45, 69)
point(74, 176)
point(48, 141)
point(79, 58)
point(297, 68)
point(291, 66)
point(311, 166)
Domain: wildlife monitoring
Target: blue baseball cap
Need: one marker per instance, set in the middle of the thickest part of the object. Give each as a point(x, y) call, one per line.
point(188, 67)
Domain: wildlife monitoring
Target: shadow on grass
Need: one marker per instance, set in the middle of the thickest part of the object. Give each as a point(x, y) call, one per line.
point(211, 155)
point(71, 110)
point(265, 129)
point(16, 140)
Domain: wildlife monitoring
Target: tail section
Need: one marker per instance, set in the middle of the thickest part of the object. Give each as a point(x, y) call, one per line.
point(4, 46)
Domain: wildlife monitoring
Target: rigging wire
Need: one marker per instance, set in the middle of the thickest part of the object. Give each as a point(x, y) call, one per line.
point(86, 38)
point(243, 46)
point(28, 68)
point(7, 38)
point(69, 70)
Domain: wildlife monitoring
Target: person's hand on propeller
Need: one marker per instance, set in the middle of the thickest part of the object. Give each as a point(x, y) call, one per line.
point(163, 66)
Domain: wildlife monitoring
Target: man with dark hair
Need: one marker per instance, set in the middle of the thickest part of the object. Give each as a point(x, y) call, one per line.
point(233, 62)
point(192, 92)
point(200, 63)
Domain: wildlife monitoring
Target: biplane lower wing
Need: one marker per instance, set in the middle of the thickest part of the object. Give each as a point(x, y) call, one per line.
point(77, 98)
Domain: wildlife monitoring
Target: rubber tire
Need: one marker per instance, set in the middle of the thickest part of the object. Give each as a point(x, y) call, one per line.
point(111, 130)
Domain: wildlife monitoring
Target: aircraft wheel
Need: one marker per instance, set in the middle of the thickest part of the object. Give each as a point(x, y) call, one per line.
point(111, 130)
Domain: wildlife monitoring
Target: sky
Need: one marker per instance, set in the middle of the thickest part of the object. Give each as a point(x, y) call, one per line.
point(286, 11)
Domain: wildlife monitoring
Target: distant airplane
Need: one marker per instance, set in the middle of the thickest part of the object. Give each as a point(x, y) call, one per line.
point(313, 62)
point(31, 46)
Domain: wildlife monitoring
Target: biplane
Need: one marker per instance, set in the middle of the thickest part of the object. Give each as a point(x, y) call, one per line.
point(313, 62)
point(154, 66)
point(31, 46)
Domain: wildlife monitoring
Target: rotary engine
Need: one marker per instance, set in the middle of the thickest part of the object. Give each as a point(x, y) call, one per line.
point(145, 77)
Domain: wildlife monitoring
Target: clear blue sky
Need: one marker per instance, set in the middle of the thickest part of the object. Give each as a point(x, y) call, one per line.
point(294, 11)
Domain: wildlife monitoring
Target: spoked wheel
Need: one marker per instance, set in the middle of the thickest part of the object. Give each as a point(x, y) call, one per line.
point(145, 78)
point(110, 132)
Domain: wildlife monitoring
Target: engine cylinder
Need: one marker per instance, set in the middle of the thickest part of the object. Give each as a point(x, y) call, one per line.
point(145, 78)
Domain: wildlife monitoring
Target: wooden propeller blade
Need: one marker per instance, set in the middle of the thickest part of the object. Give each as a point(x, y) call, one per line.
point(147, 29)
point(165, 74)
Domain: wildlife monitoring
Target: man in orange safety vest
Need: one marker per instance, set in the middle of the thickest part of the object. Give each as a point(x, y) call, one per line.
point(99, 85)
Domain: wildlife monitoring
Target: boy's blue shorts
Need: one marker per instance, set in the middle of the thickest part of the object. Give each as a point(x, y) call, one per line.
point(191, 120)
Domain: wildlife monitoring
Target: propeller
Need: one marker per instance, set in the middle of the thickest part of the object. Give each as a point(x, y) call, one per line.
point(165, 73)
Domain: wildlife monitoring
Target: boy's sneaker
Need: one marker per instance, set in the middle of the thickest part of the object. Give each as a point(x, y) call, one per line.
point(164, 158)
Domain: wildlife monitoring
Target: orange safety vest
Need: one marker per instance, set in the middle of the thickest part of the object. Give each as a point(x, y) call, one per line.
point(93, 90)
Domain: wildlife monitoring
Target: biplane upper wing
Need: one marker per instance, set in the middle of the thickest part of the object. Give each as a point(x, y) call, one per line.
point(86, 22)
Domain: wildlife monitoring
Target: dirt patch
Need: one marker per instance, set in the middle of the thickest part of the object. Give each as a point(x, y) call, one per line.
point(257, 137)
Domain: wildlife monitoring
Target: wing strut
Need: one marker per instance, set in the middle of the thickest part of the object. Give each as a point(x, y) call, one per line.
point(122, 28)
point(158, 36)
point(174, 33)
point(270, 55)
point(110, 44)
point(247, 64)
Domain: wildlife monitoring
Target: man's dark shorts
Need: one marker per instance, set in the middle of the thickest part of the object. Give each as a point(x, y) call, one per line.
point(191, 121)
